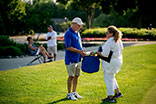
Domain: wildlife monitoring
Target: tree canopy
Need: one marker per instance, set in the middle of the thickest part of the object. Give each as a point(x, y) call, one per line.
point(143, 11)
point(19, 17)
point(12, 11)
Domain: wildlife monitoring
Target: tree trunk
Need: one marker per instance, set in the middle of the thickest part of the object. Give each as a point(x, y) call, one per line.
point(139, 25)
point(90, 16)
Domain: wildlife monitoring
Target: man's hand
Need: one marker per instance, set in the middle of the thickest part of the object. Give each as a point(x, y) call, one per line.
point(82, 52)
point(49, 38)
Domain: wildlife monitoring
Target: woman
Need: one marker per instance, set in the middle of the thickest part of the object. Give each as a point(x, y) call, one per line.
point(37, 50)
point(115, 45)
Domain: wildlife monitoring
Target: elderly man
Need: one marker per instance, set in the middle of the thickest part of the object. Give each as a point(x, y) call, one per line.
point(73, 54)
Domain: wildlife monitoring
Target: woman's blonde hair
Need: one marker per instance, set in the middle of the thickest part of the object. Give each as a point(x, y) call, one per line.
point(116, 33)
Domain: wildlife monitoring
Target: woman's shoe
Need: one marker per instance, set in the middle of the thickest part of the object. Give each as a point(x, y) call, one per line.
point(110, 100)
point(117, 95)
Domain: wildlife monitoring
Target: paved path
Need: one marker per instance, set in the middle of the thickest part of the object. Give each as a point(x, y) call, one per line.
point(6, 64)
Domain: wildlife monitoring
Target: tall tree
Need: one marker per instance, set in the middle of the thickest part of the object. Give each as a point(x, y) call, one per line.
point(89, 6)
point(39, 16)
point(143, 11)
point(12, 11)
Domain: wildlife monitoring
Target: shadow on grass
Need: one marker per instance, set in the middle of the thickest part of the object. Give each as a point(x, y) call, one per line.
point(57, 101)
point(109, 102)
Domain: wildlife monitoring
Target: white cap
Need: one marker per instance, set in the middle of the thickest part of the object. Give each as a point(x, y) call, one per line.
point(77, 20)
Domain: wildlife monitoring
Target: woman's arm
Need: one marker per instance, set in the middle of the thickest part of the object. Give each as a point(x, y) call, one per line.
point(100, 55)
point(107, 59)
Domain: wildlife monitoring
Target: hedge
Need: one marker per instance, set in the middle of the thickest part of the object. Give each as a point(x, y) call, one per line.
point(10, 51)
point(127, 33)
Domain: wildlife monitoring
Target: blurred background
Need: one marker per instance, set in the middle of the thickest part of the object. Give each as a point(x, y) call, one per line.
point(136, 19)
point(20, 17)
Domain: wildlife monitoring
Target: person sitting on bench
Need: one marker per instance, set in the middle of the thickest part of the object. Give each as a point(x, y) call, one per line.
point(37, 50)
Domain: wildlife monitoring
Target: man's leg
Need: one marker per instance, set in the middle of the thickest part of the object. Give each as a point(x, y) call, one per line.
point(69, 83)
point(75, 81)
point(77, 74)
point(55, 52)
point(54, 56)
point(71, 71)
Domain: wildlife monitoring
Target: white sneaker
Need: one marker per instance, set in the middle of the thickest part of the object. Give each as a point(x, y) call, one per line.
point(76, 95)
point(71, 96)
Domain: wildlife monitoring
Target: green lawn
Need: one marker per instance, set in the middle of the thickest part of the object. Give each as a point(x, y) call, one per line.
point(46, 83)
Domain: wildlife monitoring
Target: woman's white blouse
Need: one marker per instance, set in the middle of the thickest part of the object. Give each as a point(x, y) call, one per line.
point(116, 60)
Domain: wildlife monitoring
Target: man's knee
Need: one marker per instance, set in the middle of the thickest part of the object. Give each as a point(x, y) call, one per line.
point(76, 77)
point(70, 77)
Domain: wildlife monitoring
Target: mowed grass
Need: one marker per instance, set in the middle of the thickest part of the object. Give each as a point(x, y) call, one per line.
point(46, 83)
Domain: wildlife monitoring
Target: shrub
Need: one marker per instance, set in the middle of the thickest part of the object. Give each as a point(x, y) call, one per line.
point(2, 51)
point(5, 41)
point(23, 48)
point(8, 43)
point(10, 50)
point(60, 46)
point(98, 32)
point(127, 33)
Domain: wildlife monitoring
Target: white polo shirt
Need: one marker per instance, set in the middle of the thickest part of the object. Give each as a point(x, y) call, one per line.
point(53, 41)
point(116, 60)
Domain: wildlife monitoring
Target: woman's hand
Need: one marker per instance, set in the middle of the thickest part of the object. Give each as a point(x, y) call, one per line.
point(98, 53)
point(92, 53)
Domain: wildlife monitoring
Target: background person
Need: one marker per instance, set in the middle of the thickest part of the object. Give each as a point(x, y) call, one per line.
point(37, 50)
point(73, 53)
point(114, 44)
point(52, 42)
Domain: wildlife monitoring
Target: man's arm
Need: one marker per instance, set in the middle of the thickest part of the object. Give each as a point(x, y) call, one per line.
point(81, 52)
point(49, 37)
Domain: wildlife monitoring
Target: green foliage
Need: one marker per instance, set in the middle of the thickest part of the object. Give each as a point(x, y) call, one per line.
point(89, 7)
point(23, 48)
point(15, 48)
point(97, 32)
point(113, 18)
point(47, 83)
point(143, 12)
point(127, 33)
point(139, 33)
point(65, 25)
point(12, 11)
point(10, 51)
point(5, 41)
point(39, 16)
point(60, 46)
